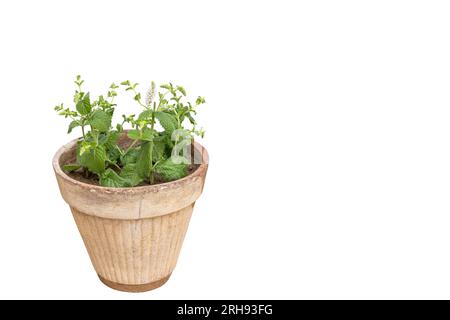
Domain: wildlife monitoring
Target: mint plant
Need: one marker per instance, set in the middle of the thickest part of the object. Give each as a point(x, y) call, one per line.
point(153, 156)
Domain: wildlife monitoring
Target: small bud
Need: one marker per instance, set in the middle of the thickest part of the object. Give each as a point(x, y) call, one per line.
point(200, 100)
point(181, 89)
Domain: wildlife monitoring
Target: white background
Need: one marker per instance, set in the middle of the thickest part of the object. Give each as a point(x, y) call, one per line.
point(327, 126)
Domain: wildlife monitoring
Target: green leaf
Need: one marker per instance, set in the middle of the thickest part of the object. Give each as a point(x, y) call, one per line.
point(71, 167)
point(83, 147)
point(113, 86)
point(113, 155)
point(125, 83)
point(200, 100)
point(91, 157)
point(112, 149)
point(137, 97)
point(129, 118)
point(77, 96)
point(84, 104)
point(130, 174)
point(181, 89)
point(143, 163)
point(159, 151)
point(112, 138)
point(145, 115)
point(100, 120)
point(111, 179)
point(191, 119)
point(119, 127)
point(165, 86)
point(73, 125)
point(134, 134)
point(167, 121)
point(112, 93)
point(171, 171)
point(130, 157)
point(146, 134)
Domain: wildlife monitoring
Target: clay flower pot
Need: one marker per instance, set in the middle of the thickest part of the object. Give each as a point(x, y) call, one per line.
point(133, 235)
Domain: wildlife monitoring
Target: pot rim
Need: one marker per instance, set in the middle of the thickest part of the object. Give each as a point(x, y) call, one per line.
point(201, 170)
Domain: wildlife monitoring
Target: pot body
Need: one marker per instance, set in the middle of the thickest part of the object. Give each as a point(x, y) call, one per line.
point(133, 235)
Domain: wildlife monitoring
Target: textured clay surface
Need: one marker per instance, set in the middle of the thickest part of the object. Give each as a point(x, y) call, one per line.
point(133, 235)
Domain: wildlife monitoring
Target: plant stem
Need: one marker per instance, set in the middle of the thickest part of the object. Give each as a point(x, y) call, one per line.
point(120, 150)
point(131, 146)
point(115, 164)
point(151, 145)
point(139, 101)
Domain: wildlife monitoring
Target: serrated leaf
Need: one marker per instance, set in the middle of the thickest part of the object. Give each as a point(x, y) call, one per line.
point(147, 134)
point(112, 138)
point(112, 149)
point(71, 167)
point(92, 157)
point(113, 155)
point(171, 171)
point(159, 151)
point(167, 121)
point(100, 120)
point(143, 163)
point(72, 125)
point(110, 178)
point(83, 147)
point(145, 115)
point(130, 174)
point(84, 104)
point(130, 157)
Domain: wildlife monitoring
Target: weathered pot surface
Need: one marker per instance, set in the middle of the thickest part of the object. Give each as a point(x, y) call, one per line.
point(133, 235)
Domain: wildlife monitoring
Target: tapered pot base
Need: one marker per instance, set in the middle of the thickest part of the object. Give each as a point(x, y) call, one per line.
point(133, 235)
point(134, 287)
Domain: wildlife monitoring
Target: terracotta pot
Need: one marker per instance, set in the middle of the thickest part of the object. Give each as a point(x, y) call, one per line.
point(133, 235)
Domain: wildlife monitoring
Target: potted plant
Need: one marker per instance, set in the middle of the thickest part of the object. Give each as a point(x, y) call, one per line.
point(132, 192)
